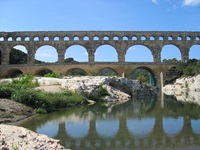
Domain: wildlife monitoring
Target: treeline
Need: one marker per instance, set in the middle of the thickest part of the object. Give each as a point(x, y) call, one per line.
point(189, 68)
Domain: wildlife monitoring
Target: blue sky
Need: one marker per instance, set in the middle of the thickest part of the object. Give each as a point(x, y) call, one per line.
point(129, 15)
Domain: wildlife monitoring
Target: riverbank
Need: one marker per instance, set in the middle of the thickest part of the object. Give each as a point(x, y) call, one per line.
point(185, 89)
point(18, 138)
point(11, 112)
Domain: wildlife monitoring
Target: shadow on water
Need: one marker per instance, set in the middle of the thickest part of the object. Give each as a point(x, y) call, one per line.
point(142, 123)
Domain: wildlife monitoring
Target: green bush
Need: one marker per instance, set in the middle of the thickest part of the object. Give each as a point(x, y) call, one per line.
point(102, 92)
point(47, 102)
point(5, 90)
point(52, 75)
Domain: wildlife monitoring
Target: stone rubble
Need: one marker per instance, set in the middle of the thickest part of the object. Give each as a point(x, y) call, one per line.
point(185, 89)
point(13, 137)
point(118, 89)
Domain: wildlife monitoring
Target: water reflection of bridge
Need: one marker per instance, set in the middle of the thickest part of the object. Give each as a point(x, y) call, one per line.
point(155, 130)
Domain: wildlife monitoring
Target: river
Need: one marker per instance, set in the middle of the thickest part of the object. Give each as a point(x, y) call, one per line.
point(144, 123)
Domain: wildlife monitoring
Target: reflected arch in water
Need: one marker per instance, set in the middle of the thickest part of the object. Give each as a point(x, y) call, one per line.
point(50, 129)
point(195, 126)
point(172, 126)
point(107, 127)
point(77, 129)
point(140, 127)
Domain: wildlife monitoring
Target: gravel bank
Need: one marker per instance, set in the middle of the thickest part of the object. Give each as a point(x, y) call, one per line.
point(13, 137)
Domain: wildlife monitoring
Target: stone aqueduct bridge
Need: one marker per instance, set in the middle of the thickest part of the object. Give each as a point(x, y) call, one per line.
point(91, 40)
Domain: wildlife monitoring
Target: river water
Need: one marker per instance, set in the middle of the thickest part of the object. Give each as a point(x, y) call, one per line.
point(144, 123)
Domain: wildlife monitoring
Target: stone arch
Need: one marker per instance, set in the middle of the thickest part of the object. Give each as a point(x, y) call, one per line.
point(107, 72)
point(18, 55)
point(36, 38)
point(46, 38)
point(42, 71)
point(173, 126)
point(50, 129)
point(47, 54)
point(18, 38)
point(106, 53)
point(95, 38)
point(76, 72)
point(12, 73)
point(76, 38)
point(1, 38)
point(115, 38)
point(147, 73)
point(195, 126)
point(170, 51)
point(140, 127)
point(138, 53)
point(10, 38)
point(27, 38)
point(194, 52)
point(77, 52)
point(72, 128)
point(106, 38)
point(86, 38)
point(107, 127)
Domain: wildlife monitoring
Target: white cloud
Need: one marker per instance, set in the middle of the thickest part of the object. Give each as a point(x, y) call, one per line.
point(155, 1)
point(191, 2)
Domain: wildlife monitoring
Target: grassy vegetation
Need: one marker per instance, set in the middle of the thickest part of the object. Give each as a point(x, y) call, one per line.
point(23, 91)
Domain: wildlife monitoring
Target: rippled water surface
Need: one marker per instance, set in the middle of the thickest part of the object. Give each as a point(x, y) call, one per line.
point(145, 123)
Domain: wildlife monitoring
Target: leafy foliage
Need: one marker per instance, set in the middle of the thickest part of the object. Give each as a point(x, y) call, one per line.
point(52, 75)
point(190, 68)
point(102, 92)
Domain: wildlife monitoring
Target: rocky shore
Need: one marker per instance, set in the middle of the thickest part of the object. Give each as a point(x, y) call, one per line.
point(11, 111)
point(18, 138)
point(117, 90)
point(185, 89)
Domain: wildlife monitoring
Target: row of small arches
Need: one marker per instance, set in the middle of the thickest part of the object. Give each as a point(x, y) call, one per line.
point(136, 127)
point(105, 38)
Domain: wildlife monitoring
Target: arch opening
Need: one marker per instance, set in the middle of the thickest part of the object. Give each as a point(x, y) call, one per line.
point(115, 38)
point(107, 72)
point(134, 38)
point(143, 38)
point(46, 38)
point(66, 38)
point(105, 38)
point(95, 38)
point(76, 38)
point(36, 38)
point(170, 52)
point(152, 38)
point(18, 39)
point(86, 38)
point(46, 54)
point(194, 52)
point(56, 38)
point(144, 75)
point(18, 55)
point(125, 38)
point(172, 126)
point(138, 53)
point(78, 53)
point(76, 72)
point(1, 38)
point(0, 56)
point(14, 73)
point(27, 39)
point(10, 39)
point(43, 72)
point(106, 53)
